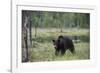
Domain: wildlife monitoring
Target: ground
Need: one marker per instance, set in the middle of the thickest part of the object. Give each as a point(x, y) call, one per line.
point(43, 49)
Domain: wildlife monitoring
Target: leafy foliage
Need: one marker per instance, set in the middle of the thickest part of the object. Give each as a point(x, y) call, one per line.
point(60, 19)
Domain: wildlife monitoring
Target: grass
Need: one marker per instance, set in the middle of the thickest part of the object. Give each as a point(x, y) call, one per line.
point(43, 49)
point(46, 52)
point(55, 32)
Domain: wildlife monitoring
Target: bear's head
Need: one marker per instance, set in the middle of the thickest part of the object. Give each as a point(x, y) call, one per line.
point(55, 43)
point(58, 43)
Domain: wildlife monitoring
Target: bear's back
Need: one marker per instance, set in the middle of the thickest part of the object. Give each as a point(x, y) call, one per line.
point(66, 41)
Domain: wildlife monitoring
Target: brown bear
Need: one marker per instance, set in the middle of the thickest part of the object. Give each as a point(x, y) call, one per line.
point(62, 43)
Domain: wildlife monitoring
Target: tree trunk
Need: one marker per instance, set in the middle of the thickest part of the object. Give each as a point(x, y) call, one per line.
point(25, 55)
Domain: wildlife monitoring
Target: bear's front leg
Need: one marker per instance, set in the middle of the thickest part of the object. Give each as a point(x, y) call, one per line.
point(57, 51)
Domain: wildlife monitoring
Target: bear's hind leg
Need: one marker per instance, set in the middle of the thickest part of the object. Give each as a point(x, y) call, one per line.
point(72, 50)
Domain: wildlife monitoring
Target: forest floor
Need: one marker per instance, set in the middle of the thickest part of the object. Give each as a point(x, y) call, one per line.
point(43, 49)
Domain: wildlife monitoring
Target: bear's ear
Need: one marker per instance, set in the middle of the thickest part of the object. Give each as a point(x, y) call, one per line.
point(53, 41)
